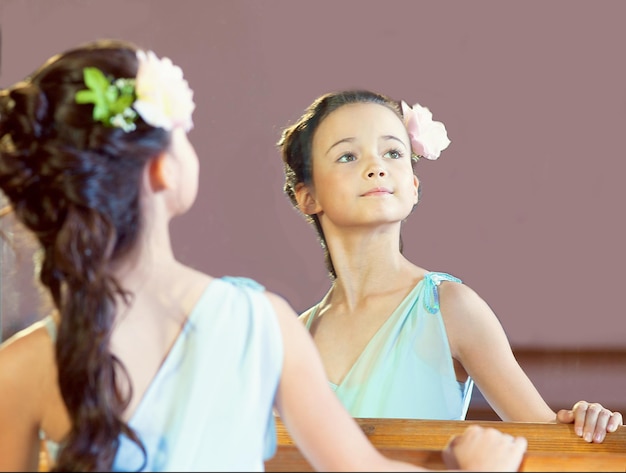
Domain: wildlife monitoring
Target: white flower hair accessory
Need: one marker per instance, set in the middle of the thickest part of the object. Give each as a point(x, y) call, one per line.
point(428, 137)
point(159, 94)
point(164, 98)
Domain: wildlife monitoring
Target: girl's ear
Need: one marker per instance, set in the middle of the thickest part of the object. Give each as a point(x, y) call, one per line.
point(416, 185)
point(161, 172)
point(306, 200)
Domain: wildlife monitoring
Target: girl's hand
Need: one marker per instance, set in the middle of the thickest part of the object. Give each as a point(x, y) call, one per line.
point(591, 420)
point(484, 449)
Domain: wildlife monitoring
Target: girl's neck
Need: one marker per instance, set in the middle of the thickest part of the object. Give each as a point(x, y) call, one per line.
point(152, 255)
point(374, 277)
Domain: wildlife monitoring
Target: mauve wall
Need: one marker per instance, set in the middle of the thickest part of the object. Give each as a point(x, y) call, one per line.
point(525, 205)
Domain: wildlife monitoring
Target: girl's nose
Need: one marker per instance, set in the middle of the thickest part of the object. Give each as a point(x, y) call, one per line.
point(376, 171)
point(374, 164)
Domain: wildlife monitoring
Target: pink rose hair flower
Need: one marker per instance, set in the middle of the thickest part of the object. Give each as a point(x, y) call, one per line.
point(428, 137)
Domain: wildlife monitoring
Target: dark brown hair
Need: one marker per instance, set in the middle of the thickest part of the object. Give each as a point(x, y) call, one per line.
point(74, 183)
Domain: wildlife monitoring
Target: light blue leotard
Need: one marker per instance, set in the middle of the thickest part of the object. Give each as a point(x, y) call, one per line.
point(406, 369)
point(210, 407)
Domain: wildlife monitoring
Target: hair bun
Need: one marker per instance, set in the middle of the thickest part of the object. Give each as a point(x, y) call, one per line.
point(23, 111)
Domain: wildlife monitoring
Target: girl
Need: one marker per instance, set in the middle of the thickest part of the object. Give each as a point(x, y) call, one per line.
point(396, 339)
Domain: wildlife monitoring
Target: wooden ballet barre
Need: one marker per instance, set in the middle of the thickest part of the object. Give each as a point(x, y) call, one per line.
point(434, 434)
point(288, 458)
point(551, 447)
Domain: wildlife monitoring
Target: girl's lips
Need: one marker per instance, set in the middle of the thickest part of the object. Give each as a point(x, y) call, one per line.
point(378, 191)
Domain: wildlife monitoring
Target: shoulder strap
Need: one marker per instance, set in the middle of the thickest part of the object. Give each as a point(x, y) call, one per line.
point(431, 293)
point(51, 327)
point(241, 281)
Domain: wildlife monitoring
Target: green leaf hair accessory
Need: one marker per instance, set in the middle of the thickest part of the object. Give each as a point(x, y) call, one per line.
point(112, 100)
point(159, 94)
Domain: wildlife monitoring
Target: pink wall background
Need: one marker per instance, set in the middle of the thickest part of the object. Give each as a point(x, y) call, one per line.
point(525, 205)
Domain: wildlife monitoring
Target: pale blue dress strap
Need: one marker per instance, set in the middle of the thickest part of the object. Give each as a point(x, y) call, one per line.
point(431, 293)
point(51, 327)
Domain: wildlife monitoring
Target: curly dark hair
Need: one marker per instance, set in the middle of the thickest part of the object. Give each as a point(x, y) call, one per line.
point(296, 141)
point(75, 183)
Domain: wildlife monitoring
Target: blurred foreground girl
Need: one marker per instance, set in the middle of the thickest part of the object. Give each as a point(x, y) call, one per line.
point(146, 364)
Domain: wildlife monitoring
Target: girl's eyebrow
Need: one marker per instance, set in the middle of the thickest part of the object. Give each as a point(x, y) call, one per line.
point(391, 137)
point(350, 139)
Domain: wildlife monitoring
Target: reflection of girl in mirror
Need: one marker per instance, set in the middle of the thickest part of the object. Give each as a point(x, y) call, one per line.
point(146, 363)
point(396, 339)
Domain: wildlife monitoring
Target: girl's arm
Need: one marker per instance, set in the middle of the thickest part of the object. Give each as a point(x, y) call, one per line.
point(479, 343)
point(21, 392)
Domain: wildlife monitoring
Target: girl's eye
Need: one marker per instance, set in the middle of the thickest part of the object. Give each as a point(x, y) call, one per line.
point(346, 158)
point(393, 154)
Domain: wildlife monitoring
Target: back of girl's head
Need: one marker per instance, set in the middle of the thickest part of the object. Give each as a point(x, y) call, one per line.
point(56, 160)
point(75, 183)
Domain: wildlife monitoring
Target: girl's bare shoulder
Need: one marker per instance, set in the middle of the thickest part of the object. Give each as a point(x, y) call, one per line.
point(26, 359)
point(27, 345)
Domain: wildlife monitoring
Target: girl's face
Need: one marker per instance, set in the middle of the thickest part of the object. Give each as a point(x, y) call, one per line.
point(362, 171)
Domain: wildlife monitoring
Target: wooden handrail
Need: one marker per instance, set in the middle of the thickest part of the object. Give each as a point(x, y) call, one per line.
point(289, 458)
point(434, 434)
point(551, 447)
